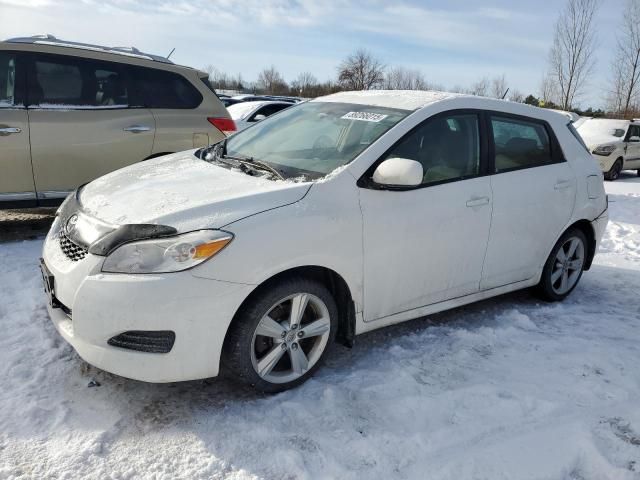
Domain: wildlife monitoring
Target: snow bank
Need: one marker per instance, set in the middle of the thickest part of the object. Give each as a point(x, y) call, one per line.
point(509, 388)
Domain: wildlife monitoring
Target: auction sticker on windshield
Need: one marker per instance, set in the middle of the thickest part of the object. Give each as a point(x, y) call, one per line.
point(364, 116)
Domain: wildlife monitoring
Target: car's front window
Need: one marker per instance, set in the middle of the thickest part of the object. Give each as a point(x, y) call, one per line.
point(312, 139)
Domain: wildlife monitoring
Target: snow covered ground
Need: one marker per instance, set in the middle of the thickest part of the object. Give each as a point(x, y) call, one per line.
point(509, 388)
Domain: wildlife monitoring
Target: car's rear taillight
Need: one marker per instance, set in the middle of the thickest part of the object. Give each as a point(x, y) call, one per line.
point(225, 125)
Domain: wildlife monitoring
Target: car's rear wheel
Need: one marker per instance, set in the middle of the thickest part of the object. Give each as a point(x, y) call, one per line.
point(614, 171)
point(282, 335)
point(564, 267)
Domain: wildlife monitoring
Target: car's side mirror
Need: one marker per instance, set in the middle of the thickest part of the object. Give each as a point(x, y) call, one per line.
point(259, 117)
point(399, 172)
point(635, 138)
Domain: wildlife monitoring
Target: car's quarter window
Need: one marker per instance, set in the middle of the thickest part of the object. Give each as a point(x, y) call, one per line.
point(447, 146)
point(314, 138)
point(163, 89)
point(7, 79)
point(74, 83)
point(520, 143)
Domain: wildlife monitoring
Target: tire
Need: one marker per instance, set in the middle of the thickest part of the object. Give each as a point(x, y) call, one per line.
point(614, 171)
point(556, 271)
point(638, 172)
point(273, 361)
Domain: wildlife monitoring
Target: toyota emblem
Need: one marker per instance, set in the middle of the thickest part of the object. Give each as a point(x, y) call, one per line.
point(70, 226)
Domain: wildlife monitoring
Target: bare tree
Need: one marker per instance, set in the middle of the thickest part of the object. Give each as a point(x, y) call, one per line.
point(304, 83)
point(517, 96)
point(499, 86)
point(480, 88)
point(626, 66)
point(361, 71)
point(571, 57)
point(548, 89)
point(400, 78)
point(271, 82)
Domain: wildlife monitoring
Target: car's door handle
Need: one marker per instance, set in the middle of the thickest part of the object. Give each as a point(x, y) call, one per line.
point(137, 129)
point(562, 184)
point(477, 202)
point(9, 130)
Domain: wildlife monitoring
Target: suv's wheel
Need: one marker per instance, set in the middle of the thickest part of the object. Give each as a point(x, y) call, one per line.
point(281, 336)
point(614, 171)
point(564, 267)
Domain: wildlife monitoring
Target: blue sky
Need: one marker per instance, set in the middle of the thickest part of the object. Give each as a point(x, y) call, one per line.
point(452, 42)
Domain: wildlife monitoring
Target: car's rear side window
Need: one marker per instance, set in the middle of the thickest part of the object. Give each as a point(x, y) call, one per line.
point(7, 79)
point(520, 143)
point(75, 83)
point(162, 89)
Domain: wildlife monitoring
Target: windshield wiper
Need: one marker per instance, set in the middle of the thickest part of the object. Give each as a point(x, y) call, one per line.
point(256, 164)
point(219, 153)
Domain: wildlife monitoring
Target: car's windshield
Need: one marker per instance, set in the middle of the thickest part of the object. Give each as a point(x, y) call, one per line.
point(314, 138)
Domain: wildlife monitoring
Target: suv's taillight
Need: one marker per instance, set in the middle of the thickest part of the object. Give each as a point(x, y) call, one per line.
point(225, 125)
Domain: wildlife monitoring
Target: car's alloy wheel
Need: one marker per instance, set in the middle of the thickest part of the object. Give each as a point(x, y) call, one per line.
point(614, 173)
point(564, 267)
point(290, 338)
point(282, 333)
point(567, 266)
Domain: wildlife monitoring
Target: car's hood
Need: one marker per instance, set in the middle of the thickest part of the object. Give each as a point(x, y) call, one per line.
point(184, 192)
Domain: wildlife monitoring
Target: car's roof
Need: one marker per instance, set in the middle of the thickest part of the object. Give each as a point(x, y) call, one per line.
point(239, 110)
point(403, 99)
point(417, 99)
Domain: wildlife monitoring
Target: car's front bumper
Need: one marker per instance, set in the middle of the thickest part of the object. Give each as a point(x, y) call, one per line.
point(103, 305)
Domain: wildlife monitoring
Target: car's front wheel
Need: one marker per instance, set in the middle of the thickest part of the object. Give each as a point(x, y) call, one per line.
point(280, 337)
point(614, 171)
point(564, 267)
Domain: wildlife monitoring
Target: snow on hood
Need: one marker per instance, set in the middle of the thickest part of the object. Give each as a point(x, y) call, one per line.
point(184, 192)
point(596, 132)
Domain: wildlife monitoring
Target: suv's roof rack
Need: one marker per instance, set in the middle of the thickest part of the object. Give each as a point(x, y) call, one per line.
point(48, 39)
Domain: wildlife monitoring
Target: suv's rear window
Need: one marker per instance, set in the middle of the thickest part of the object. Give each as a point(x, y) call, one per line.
point(162, 89)
point(70, 82)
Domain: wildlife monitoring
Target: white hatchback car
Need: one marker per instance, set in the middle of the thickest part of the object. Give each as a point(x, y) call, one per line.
point(615, 144)
point(333, 218)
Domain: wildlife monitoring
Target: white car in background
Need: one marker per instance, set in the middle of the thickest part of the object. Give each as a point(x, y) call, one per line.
point(615, 144)
point(339, 216)
point(246, 114)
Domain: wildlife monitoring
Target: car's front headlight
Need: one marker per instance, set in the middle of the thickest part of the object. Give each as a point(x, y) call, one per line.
point(168, 254)
point(604, 149)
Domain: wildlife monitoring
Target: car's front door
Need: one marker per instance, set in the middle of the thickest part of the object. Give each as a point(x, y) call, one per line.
point(632, 148)
point(427, 244)
point(82, 125)
point(534, 193)
point(16, 179)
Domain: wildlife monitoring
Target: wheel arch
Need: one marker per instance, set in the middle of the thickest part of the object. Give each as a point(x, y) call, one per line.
point(334, 282)
point(585, 227)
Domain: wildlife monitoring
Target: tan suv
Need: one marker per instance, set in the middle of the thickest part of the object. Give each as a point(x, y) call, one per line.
point(71, 112)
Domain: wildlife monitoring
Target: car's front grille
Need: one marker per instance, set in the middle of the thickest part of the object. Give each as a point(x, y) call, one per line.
point(73, 251)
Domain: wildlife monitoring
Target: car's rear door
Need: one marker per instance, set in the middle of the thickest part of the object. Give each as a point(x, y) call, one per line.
point(534, 193)
point(82, 122)
point(16, 179)
point(427, 244)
